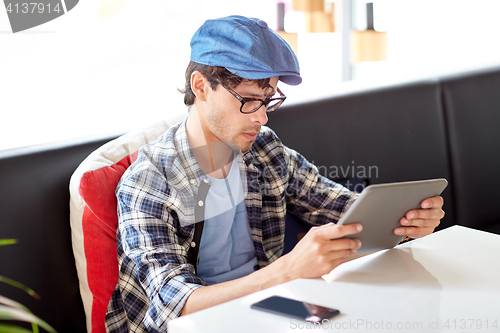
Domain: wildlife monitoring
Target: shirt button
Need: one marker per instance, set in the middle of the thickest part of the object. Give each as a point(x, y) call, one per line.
point(193, 244)
point(205, 180)
point(192, 181)
point(200, 203)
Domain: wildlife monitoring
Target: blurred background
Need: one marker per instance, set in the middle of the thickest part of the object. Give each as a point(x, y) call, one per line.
point(109, 66)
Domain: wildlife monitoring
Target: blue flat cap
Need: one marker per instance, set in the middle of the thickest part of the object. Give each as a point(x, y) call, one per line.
point(246, 47)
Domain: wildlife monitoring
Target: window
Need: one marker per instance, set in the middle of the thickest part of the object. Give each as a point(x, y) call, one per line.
point(109, 66)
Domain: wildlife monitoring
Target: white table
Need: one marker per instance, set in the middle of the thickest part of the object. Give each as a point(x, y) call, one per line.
point(446, 282)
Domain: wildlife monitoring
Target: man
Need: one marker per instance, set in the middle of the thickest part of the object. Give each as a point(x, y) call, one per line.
point(202, 210)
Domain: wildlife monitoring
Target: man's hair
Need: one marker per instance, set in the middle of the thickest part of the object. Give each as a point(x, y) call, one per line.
point(214, 73)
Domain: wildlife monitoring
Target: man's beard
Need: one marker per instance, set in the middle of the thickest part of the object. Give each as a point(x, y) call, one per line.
point(220, 130)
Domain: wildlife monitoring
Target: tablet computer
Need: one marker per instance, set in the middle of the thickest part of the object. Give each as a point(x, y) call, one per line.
point(380, 207)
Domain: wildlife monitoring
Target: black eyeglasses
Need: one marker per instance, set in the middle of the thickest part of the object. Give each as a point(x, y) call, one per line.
point(250, 105)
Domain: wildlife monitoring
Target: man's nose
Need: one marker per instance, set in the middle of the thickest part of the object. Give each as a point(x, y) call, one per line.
point(260, 116)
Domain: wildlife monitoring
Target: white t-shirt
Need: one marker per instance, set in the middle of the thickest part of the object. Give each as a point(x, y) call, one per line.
point(226, 247)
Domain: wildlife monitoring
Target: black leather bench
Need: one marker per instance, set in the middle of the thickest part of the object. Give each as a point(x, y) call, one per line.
point(386, 135)
point(34, 209)
point(472, 108)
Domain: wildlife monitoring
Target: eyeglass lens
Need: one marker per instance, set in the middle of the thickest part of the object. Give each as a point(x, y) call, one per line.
point(251, 106)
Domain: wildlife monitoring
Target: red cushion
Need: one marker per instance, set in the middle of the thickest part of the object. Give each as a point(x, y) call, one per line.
point(99, 223)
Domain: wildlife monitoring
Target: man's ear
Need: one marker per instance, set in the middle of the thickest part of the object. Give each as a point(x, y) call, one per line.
point(199, 85)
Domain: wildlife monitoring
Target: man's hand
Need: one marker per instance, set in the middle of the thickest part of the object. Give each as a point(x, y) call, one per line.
point(321, 250)
point(318, 252)
point(422, 222)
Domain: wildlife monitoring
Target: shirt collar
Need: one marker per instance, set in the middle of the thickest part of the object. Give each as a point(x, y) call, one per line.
point(191, 167)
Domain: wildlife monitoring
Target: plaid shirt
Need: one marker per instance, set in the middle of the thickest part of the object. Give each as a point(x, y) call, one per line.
point(156, 220)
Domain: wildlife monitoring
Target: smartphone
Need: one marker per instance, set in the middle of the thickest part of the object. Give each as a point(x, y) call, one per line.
point(295, 309)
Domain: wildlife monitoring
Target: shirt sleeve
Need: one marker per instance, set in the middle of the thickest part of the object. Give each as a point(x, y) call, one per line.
point(156, 276)
point(311, 196)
